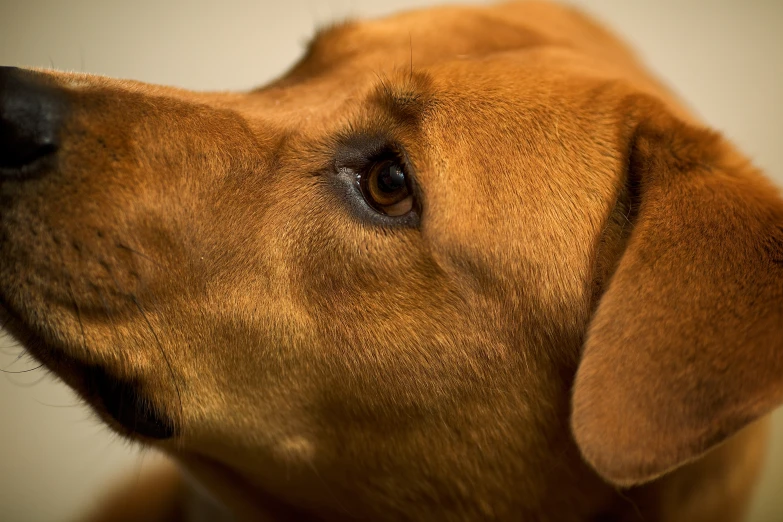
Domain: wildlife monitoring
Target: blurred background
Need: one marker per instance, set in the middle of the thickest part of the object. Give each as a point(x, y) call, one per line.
point(724, 56)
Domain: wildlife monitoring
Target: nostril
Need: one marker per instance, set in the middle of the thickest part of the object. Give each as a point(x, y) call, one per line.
point(16, 151)
point(31, 111)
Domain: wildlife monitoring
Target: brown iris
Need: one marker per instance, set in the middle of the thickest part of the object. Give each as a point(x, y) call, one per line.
point(385, 187)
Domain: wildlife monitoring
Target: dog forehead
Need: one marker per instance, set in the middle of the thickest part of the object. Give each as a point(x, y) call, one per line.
point(430, 35)
point(341, 60)
point(421, 37)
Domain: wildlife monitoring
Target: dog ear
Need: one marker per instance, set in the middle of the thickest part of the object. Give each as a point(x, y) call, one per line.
point(686, 344)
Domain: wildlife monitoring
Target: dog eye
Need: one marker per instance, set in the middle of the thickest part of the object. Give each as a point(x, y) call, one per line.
point(386, 188)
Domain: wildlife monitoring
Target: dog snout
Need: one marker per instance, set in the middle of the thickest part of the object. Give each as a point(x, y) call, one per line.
point(31, 113)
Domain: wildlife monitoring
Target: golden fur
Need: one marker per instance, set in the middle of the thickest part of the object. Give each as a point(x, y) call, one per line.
point(590, 299)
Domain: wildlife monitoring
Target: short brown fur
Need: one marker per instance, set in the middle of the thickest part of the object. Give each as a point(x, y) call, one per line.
point(591, 298)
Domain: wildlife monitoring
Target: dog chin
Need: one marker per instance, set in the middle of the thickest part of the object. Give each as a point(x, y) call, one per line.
point(128, 405)
point(121, 401)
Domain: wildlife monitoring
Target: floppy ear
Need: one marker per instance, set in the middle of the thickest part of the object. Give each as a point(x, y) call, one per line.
point(686, 344)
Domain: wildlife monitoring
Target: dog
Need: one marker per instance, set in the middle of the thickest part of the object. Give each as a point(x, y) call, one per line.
point(507, 277)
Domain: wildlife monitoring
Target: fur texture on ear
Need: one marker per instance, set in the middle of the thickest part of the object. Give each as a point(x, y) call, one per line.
point(686, 344)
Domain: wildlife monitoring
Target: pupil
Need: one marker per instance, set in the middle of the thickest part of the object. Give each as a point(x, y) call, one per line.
point(391, 179)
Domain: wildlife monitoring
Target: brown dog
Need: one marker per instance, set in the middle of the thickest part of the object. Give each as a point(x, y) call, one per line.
point(499, 280)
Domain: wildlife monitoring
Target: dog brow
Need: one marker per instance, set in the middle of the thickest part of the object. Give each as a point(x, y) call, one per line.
point(408, 102)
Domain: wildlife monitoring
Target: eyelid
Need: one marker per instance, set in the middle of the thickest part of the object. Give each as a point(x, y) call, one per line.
point(361, 151)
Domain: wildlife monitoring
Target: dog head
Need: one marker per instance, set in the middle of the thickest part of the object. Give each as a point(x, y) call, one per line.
point(386, 275)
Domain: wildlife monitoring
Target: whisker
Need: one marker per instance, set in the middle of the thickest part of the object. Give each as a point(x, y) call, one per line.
point(10, 346)
point(121, 292)
point(29, 384)
point(13, 351)
point(162, 351)
point(76, 405)
point(136, 302)
point(22, 371)
point(107, 311)
point(138, 253)
point(74, 303)
point(79, 317)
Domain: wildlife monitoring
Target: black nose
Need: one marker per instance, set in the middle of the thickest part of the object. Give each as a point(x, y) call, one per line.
point(31, 111)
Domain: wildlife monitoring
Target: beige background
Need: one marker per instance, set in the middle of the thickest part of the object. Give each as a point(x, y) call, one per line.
point(724, 57)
